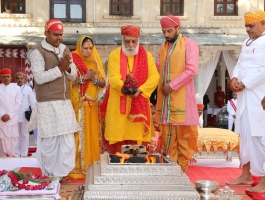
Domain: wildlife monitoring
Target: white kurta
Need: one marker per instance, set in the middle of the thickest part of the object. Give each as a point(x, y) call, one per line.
point(231, 111)
point(28, 99)
point(10, 102)
point(250, 69)
point(55, 120)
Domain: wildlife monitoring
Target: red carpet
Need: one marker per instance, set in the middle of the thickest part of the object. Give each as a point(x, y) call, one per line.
point(221, 175)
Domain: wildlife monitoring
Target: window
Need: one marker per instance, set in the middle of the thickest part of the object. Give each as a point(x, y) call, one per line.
point(121, 7)
point(68, 10)
point(225, 7)
point(13, 6)
point(171, 7)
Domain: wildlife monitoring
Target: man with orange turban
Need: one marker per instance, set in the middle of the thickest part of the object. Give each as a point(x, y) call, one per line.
point(248, 81)
point(176, 108)
point(53, 113)
point(133, 77)
point(10, 102)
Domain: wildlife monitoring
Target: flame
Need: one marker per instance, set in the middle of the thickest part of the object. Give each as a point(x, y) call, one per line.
point(153, 159)
point(123, 156)
point(147, 159)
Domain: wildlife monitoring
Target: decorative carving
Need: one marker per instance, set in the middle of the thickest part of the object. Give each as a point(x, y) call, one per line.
point(158, 17)
point(15, 16)
point(227, 17)
point(120, 17)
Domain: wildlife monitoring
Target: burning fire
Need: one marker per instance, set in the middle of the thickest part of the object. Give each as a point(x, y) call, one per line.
point(123, 157)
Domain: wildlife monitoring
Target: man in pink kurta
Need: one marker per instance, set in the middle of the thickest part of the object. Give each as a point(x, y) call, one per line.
point(177, 111)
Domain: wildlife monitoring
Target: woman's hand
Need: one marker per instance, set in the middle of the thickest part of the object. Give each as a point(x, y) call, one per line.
point(90, 75)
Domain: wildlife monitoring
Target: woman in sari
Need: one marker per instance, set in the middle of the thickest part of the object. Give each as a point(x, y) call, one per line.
point(85, 95)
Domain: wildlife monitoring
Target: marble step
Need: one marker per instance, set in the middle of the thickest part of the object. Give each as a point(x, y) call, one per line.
point(142, 195)
point(170, 169)
point(92, 187)
point(128, 179)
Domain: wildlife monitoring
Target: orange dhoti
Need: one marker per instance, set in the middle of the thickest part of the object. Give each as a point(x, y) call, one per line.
point(179, 142)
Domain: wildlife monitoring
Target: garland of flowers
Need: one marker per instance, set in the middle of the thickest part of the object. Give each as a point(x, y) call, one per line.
point(21, 180)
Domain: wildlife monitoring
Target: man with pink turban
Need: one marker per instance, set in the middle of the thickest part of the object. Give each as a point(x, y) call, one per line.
point(53, 113)
point(10, 102)
point(248, 81)
point(128, 116)
point(176, 108)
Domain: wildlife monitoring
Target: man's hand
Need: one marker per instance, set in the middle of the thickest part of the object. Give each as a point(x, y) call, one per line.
point(136, 94)
point(65, 62)
point(234, 116)
point(240, 86)
point(166, 89)
point(234, 85)
point(263, 103)
point(5, 118)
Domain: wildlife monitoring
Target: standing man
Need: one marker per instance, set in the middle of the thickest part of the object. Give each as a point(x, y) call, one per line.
point(10, 102)
point(206, 101)
point(176, 101)
point(248, 81)
point(219, 97)
point(231, 109)
point(28, 100)
point(53, 113)
point(128, 116)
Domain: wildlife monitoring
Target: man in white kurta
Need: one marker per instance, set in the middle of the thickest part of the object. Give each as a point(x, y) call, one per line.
point(28, 100)
point(10, 101)
point(53, 113)
point(248, 81)
point(231, 109)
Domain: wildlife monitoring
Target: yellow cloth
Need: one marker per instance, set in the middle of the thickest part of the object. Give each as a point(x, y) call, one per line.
point(254, 16)
point(217, 138)
point(118, 126)
point(182, 142)
point(176, 112)
point(87, 114)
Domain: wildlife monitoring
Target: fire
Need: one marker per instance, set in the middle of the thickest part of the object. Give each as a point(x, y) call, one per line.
point(123, 156)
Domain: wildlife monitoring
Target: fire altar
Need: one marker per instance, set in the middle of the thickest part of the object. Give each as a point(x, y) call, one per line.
point(160, 178)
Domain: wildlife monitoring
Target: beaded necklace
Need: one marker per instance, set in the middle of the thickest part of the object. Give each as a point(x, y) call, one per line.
point(247, 44)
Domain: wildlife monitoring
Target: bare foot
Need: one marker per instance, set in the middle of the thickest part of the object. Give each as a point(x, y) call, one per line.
point(240, 181)
point(258, 188)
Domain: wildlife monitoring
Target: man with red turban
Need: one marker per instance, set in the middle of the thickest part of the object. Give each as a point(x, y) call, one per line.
point(28, 100)
point(219, 97)
point(248, 82)
point(176, 108)
point(128, 116)
point(10, 102)
point(53, 114)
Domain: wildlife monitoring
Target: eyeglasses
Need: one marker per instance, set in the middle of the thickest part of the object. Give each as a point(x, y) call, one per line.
point(6, 76)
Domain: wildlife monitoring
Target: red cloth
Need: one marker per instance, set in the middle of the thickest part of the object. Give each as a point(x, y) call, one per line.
point(82, 69)
point(6, 71)
point(131, 31)
point(54, 25)
point(219, 99)
point(256, 195)
point(140, 109)
point(169, 21)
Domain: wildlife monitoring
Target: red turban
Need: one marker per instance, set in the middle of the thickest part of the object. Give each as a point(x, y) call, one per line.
point(219, 87)
point(6, 71)
point(54, 25)
point(200, 106)
point(131, 31)
point(169, 21)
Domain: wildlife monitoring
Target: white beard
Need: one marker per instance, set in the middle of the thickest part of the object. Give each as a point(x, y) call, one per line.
point(130, 51)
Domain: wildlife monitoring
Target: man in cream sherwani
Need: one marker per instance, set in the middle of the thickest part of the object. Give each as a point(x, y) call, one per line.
point(231, 109)
point(248, 81)
point(10, 101)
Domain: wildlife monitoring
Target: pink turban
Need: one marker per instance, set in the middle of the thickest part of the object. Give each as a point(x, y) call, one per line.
point(6, 71)
point(131, 31)
point(169, 21)
point(54, 25)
